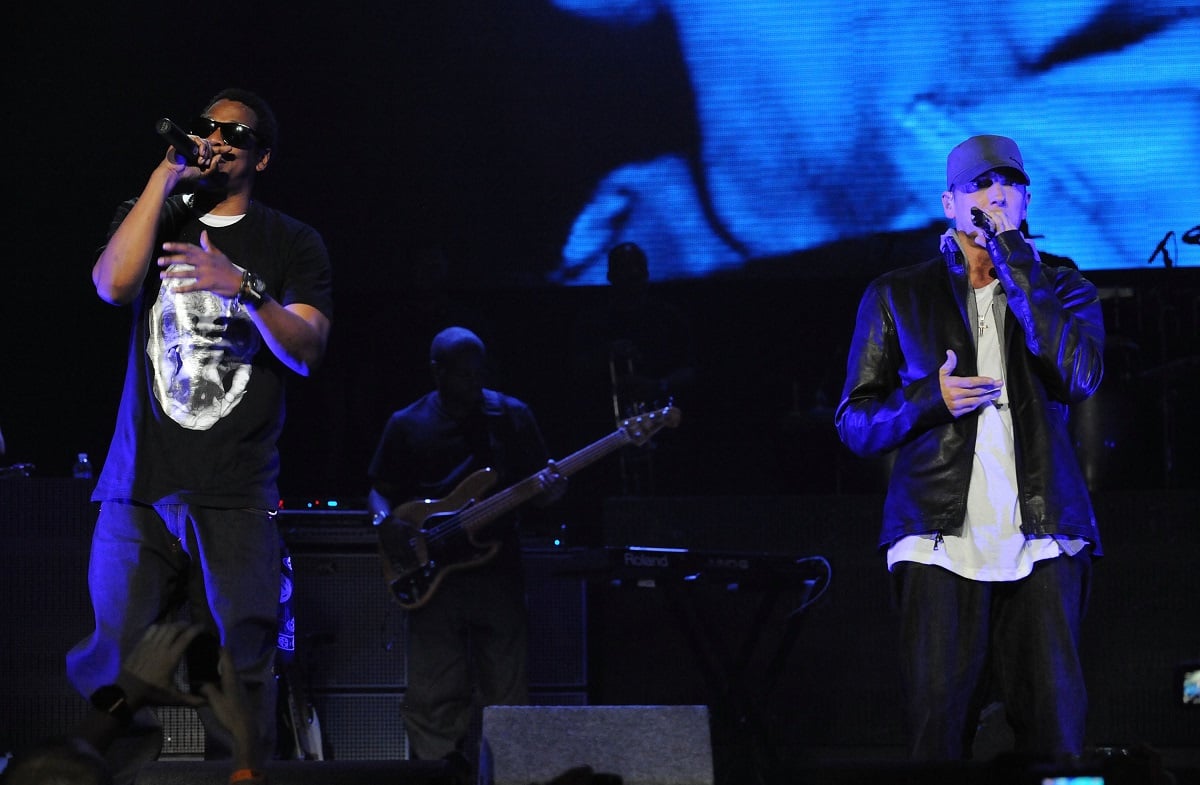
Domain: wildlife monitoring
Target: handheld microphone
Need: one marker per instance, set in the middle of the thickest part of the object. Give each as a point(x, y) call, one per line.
point(1162, 248)
point(981, 220)
point(984, 222)
point(185, 147)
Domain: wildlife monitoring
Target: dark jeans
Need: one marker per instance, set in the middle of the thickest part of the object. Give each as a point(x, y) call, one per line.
point(218, 566)
point(965, 643)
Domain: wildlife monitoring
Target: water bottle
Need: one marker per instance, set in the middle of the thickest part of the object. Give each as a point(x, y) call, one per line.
point(82, 470)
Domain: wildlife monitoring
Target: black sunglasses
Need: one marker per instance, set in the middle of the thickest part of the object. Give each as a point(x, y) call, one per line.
point(234, 134)
point(985, 181)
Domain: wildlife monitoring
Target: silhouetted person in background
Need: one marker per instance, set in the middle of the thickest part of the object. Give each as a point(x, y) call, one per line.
point(395, 335)
point(632, 353)
point(467, 628)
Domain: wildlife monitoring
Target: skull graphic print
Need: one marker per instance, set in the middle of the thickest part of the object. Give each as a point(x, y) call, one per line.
point(200, 347)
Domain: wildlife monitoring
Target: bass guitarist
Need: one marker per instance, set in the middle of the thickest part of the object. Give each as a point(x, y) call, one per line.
point(470, 630)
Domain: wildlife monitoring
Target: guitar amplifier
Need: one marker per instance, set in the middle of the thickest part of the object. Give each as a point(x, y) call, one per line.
point(361, 726)
point(327, 529)
point(557, 624)
point(351, 633)
point(47, 525)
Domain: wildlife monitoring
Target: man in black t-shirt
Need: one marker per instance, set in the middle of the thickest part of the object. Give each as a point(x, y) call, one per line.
point(459, 447)
point(229, 298)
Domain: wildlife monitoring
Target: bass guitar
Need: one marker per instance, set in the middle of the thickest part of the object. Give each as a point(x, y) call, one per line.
point(424, 540)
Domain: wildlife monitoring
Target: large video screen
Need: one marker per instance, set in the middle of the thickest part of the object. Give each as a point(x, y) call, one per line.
point(719, 133)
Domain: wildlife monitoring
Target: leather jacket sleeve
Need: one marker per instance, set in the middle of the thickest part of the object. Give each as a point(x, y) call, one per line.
point(1059, 314)
point(879, 411)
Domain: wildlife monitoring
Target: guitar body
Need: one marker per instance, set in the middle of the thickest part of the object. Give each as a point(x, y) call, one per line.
point(423, 540)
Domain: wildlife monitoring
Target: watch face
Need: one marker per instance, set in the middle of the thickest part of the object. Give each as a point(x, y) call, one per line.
point(254, 288)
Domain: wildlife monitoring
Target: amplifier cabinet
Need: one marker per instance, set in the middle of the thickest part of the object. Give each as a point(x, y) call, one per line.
point(361, 726)
point(558, 622)
point(351, 634)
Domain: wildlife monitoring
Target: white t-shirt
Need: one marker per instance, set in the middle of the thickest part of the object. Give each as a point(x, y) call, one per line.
point(991, 546)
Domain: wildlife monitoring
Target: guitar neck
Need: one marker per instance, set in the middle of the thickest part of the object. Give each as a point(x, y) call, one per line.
point(492, 507)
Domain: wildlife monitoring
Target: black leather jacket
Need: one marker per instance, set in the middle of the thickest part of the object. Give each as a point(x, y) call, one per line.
point(1053, 346)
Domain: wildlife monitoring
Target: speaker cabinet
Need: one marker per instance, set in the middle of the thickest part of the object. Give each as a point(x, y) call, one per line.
point(557, 624)
point(644, 745)
point(183, 733)
point(361, 726)
point(349, 632)
point(351, 635)
point(45, 535)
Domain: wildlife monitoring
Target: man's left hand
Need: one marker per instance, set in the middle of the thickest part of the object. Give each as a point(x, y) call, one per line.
point(554, 485)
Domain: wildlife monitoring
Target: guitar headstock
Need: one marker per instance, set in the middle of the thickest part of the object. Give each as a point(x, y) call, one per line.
point(640, 427)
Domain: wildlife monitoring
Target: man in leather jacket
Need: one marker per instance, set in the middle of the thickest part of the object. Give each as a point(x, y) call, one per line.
point(964, 367)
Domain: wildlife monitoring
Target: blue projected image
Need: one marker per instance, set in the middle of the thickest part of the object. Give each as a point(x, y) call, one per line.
point(823, 120)
point(1191, 686)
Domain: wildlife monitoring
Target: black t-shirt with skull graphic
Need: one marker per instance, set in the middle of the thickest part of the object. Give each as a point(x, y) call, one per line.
point(202, 407)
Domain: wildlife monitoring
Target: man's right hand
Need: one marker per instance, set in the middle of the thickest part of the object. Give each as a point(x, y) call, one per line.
point(205, 154)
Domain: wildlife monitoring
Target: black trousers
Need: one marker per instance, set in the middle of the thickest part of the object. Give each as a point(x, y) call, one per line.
point(965, 644)
point(467, 648)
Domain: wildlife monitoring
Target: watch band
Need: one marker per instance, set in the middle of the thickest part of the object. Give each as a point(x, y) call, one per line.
point(111, 700)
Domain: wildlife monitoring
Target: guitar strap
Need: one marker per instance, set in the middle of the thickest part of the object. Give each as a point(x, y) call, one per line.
point(497, 433)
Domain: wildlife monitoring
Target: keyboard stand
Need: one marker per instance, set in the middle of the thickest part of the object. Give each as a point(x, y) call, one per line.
point(736, 705)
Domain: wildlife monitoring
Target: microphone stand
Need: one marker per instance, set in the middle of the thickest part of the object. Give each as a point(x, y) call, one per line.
point(1164, 369)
